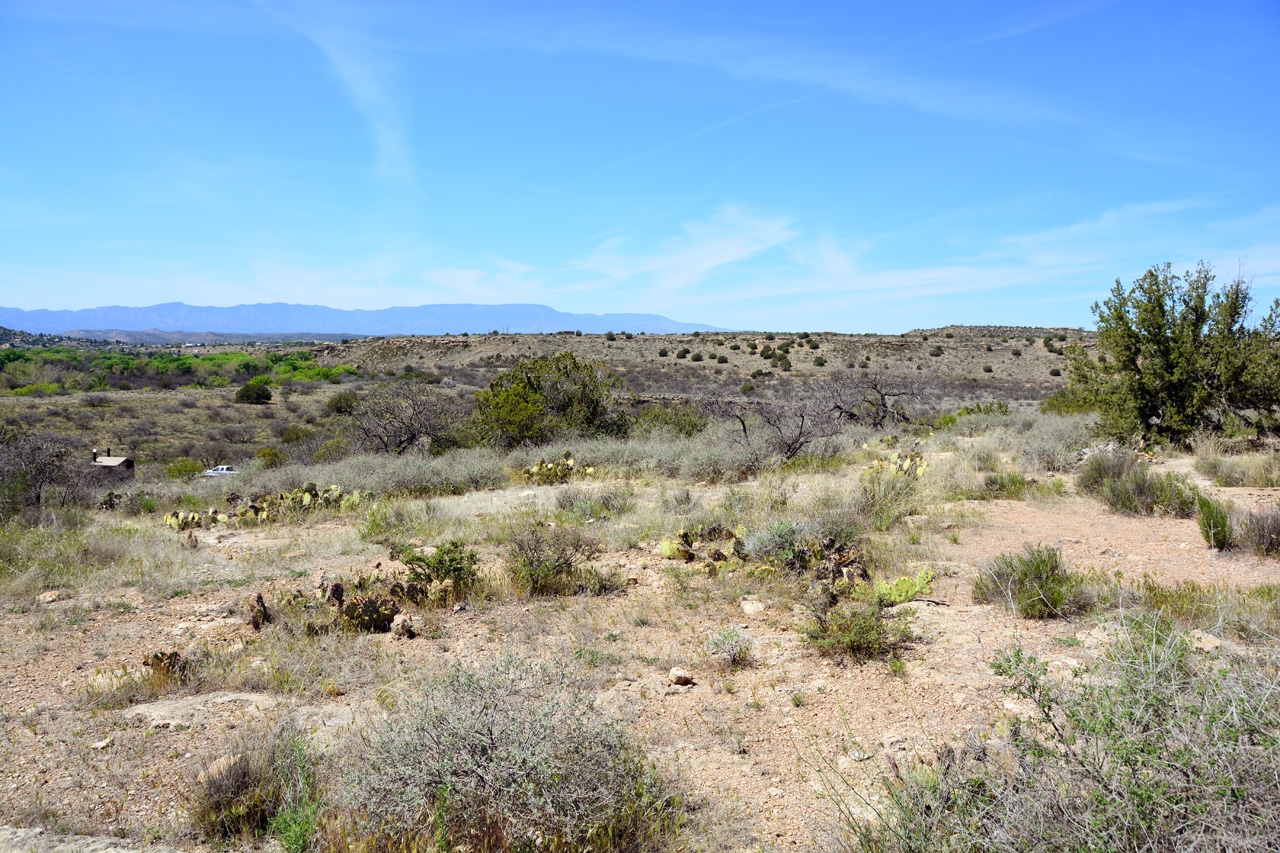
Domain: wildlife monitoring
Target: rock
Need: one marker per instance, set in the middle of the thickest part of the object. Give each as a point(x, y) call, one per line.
point(402, 626)
point(680, 677)
point(200, 710)
point(50, 597)
point(915, 522)
point(751, 607)
point(102, 744)
point(222, 772)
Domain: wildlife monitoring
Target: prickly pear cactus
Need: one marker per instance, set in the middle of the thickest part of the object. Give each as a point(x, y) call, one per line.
point(544, 473)
point(370, 613)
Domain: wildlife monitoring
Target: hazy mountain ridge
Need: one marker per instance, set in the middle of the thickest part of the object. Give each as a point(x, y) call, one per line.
point(278, 318)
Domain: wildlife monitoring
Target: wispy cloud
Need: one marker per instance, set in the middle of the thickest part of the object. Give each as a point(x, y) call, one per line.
point(1050, 18)
point(864, 77)
point(667, 271)
point(364, 71)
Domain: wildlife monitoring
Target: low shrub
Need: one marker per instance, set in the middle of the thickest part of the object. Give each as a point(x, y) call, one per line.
point(451, 561)
point(1260, 532)
point(1214, 518)
point(731, 645)
point(545, 560)
point(1034, 584)
point(510, 757)
point(1128, 486)
point(254, 393)
point(1160, 750)
point(860, 630)
point(264, 785)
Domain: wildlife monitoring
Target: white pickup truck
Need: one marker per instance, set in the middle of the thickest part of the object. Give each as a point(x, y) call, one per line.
point(221, 471)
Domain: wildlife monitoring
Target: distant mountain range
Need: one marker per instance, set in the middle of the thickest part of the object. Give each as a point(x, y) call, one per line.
point(280, 320)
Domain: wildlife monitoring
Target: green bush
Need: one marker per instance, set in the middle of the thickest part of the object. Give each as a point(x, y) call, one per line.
point(732, 645)
point(1180, 357)
point(452, 561)
point(185, 469)
point(1260, 532)
point(1053, 371)
point(697, 356)
point(270, 457)
point(986, 368)
point(676, 417)
point(342, 403)
point(1214, 518)
point(510, 757)
point(662, 353)
point(1034, 584)
point(254, 393)
point(296, 434)
point(549, 561)
point(857, 629)
point(543, 398)
point(1015, 352)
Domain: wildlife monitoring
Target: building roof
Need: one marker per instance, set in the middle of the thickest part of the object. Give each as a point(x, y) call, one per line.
point(112, 461)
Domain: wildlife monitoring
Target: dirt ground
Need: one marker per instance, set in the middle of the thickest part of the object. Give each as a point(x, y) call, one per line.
point(745, 744)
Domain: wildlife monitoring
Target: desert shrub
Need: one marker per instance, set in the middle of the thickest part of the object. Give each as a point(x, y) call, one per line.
point(451, 561)
point(342, 403)
point(1011, 485)
point(540, 399)
point(1054, 371)
point(887, 496)
point(860, 630)
point(731, 645)
point(267, 785)
point(1127, 485)
point(1035, 584)
point(1214, 518)
point(270, 457)
point(1260, 532)
point(676, 417)
point(1261, 471)
point(545, 560)
point(1050, 442)
point(783, 543)
point(599, 504)
point(254, 393)
point(185, 469)
point(296, 434)
point(510, 757)
point(1159, 750)
point(1140, 492)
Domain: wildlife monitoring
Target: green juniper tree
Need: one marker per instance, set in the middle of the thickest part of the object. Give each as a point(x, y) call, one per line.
point(1180, 355)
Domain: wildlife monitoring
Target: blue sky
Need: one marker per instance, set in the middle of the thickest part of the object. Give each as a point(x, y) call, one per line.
point(800, 165)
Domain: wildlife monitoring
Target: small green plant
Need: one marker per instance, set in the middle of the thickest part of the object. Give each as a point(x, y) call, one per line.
point(986, 368)
point(451, 561)
point(857, 629)
point(1035, 584)
point(1214, 518)
point(797, 700)
point(184, 469)
point(730, 644)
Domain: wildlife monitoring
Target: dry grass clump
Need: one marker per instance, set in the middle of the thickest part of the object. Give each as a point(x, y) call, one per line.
point(1162, 749)
point(266, 785)
point(1259, 470)
point(1127, 485)
point(511, 757)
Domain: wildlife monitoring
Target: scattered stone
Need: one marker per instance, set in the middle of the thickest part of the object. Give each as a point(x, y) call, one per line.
point(461, 607)
point(50, 597)
point(751, 607)
point(102, 744)
point(292, 554)
point(680, 677)
point(915, 522)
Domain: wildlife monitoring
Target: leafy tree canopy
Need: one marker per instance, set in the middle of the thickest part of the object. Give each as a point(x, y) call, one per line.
point(1180, 355)
point(542, 398)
